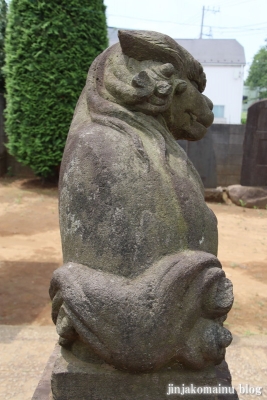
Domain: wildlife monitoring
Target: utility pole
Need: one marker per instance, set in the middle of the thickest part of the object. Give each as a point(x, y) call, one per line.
point(202, 19)
point(201, 30)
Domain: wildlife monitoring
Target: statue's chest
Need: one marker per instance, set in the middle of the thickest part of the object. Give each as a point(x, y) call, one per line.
point(178, 194)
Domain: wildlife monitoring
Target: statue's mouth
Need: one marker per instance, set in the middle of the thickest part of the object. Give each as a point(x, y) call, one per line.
point(204, 121)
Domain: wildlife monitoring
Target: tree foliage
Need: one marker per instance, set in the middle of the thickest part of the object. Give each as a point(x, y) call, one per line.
point(3, 16)
point(258, 72)
point(49, 48)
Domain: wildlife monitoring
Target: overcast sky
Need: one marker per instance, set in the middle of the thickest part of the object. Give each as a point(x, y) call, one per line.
point(243, 20)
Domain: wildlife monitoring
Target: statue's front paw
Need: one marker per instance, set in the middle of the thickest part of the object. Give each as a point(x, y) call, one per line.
point(65, 329)
point(208, 338)
point(218, 300)
point(206, 344)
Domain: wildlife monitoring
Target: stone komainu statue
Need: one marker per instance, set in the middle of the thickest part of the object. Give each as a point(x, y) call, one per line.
point(141, 285)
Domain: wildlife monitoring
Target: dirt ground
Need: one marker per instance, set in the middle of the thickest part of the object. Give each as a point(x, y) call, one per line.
point(30, 250)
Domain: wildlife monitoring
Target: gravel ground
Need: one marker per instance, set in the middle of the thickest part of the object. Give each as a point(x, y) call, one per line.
point(24, 353)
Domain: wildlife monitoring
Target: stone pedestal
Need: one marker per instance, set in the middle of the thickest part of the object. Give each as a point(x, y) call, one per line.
point(73, 379)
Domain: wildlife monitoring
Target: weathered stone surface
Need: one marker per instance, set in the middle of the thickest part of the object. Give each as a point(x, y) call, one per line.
point(254, 166)
point(141, 285)
point(202, 155)
point(155, 305)
point(74, 379)
point(64, 387)
point(248, 196)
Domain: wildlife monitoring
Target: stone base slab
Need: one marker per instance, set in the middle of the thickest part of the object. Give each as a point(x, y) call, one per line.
point(43, 390)
point(73, 379)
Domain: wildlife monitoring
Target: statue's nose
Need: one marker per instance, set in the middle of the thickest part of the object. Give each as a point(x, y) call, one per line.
point(209, 102)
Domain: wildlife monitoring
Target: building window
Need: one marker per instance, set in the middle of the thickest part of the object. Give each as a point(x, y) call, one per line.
point(218, 111)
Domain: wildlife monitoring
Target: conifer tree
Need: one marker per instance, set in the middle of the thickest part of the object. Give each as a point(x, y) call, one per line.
point(49, 48)
point(3, 13)
point(257, 76)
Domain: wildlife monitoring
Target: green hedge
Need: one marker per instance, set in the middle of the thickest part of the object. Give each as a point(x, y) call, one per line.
point(3, 12)
point(49, 48)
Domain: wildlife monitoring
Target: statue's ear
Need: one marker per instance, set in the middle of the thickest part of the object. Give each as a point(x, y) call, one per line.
point(144, 45)
point(180, 86)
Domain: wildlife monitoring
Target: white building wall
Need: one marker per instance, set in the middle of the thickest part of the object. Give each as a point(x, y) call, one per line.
point(225, 88)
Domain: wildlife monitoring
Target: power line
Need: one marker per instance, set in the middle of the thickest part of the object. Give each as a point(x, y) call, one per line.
point(193, 18)
point(240, 30)
point(241, 27)
point(151, 20)
point(242, 33)
point(230, 4)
